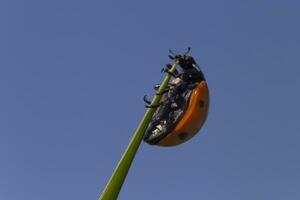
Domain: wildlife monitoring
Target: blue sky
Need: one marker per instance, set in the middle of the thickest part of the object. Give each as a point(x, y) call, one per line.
point(72, 78)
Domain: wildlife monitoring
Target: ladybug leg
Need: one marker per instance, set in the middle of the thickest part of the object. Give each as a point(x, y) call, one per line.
point(172, 74)
point(166, 67)
point(146, 100)
point(156, 87)
point(153, 106)
point(148, 103)
point(167, 70)
point(163, 92)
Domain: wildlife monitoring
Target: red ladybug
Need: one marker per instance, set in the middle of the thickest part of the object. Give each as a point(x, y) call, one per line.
point(183, 107)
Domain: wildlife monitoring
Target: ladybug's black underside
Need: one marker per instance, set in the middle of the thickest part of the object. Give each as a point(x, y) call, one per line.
point(160, 125)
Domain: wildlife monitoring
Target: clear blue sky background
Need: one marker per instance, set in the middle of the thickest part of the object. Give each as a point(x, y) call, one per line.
point(72, 77)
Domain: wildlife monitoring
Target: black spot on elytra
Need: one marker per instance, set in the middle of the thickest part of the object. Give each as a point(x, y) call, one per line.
point(182, 135)
point(201, 104)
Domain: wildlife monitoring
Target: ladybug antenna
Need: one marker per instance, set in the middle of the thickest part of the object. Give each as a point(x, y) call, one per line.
point(172, 55)
point(187, 51)
point(171, 52)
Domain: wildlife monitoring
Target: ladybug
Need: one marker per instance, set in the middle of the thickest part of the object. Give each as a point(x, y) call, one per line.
point(183, 107)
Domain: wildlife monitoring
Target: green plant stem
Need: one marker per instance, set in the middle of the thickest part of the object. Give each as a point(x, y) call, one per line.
point(114, 185)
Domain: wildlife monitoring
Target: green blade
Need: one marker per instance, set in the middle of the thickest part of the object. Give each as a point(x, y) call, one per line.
point(113, 187)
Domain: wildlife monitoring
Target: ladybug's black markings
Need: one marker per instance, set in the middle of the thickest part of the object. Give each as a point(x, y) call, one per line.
point(201, 104)
point(182, 135)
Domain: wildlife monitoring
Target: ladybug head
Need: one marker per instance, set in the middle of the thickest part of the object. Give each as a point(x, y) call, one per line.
point(183, 60)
